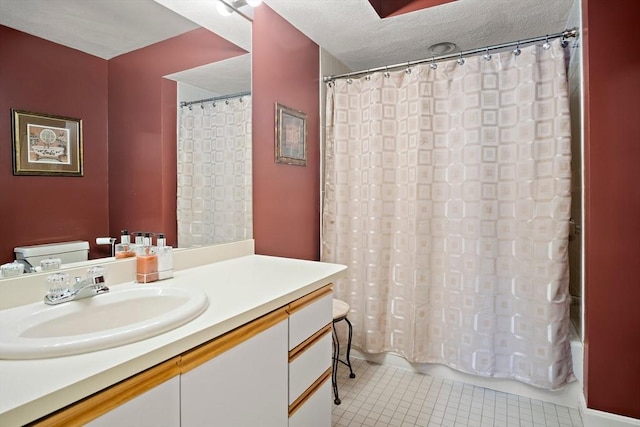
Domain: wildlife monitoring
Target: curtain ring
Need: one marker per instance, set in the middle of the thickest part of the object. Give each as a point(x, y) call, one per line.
point(408, 70)
point(433, 64)
point(517, 50)
point(546, 45)
point(460, 60)
point(387, 74)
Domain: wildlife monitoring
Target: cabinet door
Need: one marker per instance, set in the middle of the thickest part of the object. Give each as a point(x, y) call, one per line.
point(149, 398)
point(158, 407)
point(245, 385)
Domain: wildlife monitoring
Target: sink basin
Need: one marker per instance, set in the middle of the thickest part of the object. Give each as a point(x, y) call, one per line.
point(127, 314)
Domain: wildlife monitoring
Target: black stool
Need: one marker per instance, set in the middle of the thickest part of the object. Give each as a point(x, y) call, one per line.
point(340, 311)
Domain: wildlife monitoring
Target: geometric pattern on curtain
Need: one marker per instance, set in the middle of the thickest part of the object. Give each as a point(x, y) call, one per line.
point(447, 195)
point(214, 201)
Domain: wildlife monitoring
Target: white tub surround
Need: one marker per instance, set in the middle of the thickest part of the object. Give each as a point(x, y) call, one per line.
point(241, 287)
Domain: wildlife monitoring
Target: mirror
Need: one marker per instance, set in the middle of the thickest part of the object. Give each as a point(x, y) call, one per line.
point(214, 199)
point(209, 81)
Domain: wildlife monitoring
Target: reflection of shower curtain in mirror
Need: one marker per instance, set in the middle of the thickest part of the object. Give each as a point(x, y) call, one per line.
point(214, 173)
point(448, 197)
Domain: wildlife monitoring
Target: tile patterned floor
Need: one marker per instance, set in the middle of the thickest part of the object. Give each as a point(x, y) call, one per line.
point(389, 396)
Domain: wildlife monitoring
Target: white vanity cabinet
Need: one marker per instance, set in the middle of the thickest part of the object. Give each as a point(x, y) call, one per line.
point(239, 379)
point(274, 371)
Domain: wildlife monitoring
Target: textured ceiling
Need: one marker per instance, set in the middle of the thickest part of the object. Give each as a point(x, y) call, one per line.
point(349, 29)
point(104, 28)
point(108, 28)
point(353, 32)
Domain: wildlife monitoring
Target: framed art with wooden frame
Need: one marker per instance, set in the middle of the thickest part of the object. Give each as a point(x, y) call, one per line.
point(44, 144)
point(291, 136)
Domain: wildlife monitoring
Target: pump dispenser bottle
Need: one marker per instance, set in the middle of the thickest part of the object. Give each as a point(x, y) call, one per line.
point(165, 258)
point(124, 249)
point(146, 261)
point(138, 240)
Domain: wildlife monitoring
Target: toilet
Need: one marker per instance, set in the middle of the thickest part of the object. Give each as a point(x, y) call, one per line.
point(67, 252)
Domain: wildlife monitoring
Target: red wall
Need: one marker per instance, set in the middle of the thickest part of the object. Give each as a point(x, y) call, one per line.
point(612, 226)
point(43, 77)
point(286, 200)
point(142, 129)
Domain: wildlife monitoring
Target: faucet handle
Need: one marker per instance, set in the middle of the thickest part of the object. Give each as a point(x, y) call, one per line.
point(96, 275)
point(58, 284)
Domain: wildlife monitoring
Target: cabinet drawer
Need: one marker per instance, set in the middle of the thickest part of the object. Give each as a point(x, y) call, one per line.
point(309, 314)
point(306, 366)
point(316, 410)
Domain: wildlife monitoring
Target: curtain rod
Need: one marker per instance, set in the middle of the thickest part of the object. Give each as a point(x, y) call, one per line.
point(214, 99)
point(565, 35)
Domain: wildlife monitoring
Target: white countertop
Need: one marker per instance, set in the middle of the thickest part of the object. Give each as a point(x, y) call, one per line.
point(239, 290)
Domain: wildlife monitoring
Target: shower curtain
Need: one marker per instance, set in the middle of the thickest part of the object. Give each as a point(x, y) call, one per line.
point(447, 195)
point(214, 202)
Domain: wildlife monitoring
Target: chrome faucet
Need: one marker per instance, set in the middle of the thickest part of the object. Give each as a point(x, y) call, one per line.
point(60, 292)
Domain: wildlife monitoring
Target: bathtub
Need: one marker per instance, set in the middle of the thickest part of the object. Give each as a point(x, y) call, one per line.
point(569, 396)
point(577, 355)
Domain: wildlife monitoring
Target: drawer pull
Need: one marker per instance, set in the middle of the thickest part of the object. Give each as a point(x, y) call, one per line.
point(309, 392)
point(309, 298)
point(300, 348)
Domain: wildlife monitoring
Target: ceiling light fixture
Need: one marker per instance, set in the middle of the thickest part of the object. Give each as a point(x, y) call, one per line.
point(223, 9)
point(227, 7)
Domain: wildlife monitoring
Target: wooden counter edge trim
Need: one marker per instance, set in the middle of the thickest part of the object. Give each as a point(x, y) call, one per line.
point(303, 346)
point(193, 358)
point(309, 392)
point(103, 401)
point(309, 298)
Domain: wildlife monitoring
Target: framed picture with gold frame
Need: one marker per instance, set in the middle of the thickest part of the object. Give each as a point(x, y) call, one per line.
point(291, 136)
point(44, 144)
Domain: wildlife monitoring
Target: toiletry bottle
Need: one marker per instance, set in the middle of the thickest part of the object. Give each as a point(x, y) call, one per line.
point(146, 240)
point(124, 248)
point(165, 258)
point(138, 240)
point(146, 262)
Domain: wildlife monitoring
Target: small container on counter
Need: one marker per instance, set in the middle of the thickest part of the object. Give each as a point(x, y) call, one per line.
point(146, 262)
point(165, 258)
point(124, 249)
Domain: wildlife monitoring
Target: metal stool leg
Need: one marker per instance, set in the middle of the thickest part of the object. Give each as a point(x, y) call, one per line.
point(334, 366)
point(351, 375)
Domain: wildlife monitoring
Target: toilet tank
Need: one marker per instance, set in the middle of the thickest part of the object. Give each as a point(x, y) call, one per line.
point(67, 252)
